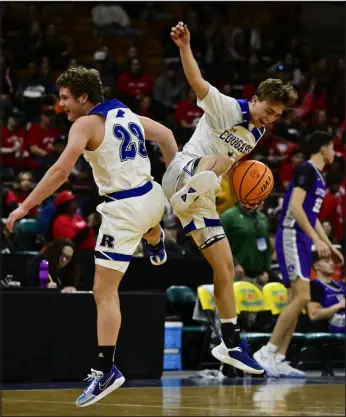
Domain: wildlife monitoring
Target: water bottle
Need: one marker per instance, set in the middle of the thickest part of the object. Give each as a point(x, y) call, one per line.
point(44, 273)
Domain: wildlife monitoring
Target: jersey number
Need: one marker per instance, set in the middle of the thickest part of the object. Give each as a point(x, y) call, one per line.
point(128, 148)
point(317, 206)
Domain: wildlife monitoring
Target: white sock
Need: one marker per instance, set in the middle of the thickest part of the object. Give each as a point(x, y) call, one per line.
point(271, 348)
point(233, 321)
point(280, 356)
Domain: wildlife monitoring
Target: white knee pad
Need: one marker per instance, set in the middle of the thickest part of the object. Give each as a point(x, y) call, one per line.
point(207, 236)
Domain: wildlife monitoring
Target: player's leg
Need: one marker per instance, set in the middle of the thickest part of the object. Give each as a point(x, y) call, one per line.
point(117, 240)
point(216, 249)
point(105, 378)
point(285, 326)
point(204, 173)
point(283, 346)
point(154, 243)
point(293, 257)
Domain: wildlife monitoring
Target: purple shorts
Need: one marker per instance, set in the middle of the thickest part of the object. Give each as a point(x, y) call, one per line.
point(294, 254)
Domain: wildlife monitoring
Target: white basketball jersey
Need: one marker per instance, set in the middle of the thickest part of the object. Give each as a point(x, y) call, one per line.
point(121, 161)
point(224, 128)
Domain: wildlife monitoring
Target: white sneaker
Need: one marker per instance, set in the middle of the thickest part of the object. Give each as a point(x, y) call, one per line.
point(267, 361)
point(200, 184)
point(287, 371)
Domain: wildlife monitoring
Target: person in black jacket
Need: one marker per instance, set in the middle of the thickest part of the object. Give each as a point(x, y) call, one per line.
point(61, 257)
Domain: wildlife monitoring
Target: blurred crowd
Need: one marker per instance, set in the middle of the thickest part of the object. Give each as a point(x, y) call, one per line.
point(34, 129)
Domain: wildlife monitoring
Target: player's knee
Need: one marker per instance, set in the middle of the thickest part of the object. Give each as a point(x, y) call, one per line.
point(224, 272)
point(103, 292)
point(304, 299)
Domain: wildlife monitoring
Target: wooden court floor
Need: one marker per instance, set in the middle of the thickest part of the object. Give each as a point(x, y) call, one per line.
point(238, 397)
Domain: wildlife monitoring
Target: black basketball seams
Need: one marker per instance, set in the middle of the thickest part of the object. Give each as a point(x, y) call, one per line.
point(241, 182)
point(256, 184)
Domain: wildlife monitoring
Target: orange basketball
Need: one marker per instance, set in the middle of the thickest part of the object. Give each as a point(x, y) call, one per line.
point(252, 182)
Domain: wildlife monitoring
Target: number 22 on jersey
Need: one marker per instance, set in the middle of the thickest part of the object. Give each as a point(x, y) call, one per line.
point(132, 141)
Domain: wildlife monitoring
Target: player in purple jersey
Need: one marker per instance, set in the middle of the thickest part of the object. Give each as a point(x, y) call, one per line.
point(299, 229)
point(327, 304)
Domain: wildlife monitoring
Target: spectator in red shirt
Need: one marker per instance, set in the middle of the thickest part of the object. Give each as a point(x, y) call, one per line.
point(187, 115)
point(333, 209)
point(41, 135)
point(134, 84)
point(8, 201)
point(67, 224)
point(287, 168)
point(23, 189)
point(13, 143)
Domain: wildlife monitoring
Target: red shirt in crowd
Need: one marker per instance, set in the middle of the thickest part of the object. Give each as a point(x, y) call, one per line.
point(286, 173)
point(333, 208)
point(66, 227)
point(10, 138)
point(21, 196)
point(189, 112)
point(43, 138)
point(135, 86)
point(10, 197)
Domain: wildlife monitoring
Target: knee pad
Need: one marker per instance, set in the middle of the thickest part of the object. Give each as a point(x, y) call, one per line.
point(207, 236)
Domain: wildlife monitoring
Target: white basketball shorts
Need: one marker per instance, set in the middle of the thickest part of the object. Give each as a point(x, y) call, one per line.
point(126, 217)
point(202, 213)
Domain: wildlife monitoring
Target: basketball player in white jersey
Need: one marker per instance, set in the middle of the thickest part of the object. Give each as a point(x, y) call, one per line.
point(228, 130)
point(112, 139)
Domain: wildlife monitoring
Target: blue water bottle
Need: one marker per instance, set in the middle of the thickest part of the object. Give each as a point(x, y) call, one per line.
point(44, 274)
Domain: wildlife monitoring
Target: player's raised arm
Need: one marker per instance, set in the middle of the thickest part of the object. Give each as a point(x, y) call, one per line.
point(57, 174)
point(162, 136)
point(181, 37)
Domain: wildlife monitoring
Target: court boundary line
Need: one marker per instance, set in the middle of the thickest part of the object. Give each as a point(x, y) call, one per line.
point(293, 413)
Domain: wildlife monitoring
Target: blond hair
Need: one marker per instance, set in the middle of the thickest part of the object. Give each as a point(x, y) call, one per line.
point(276, 91)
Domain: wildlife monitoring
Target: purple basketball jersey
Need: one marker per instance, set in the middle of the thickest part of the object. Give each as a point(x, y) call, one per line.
point(293, 246)
point(313, 200)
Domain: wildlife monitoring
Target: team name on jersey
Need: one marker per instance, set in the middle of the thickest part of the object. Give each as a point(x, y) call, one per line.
point(237, 143)
point(320, 192)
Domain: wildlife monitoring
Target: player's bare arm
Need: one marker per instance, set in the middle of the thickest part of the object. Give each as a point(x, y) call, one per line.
point(317, 312)
point(56, 175)
point(162, 136)
point(336, 255)
point(181, 37)
point(298, 197)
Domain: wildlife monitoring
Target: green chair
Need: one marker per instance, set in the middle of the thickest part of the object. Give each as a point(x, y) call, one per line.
point(182, 301)
point(25, 234)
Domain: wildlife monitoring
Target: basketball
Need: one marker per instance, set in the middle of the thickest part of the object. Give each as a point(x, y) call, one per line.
point(252, 182)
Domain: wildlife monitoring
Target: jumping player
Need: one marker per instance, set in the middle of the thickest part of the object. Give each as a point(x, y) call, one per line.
point(228, 130)
point(112, 139)
point(299, 228)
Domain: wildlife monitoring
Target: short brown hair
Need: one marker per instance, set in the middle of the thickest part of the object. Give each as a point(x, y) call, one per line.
point(80, 81)
point(275, 91)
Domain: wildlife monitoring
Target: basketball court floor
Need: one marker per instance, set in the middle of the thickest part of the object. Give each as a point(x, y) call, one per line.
point(180, 395)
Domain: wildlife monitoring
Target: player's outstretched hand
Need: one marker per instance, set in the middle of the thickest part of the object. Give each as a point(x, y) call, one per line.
point(322, 249)
point(180, 35)
point(17, 214)
point(337, 256)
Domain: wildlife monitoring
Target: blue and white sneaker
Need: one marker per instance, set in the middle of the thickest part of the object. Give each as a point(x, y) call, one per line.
point(239, 357)
point(157, 253)
point(100, 385)
point(287, 371)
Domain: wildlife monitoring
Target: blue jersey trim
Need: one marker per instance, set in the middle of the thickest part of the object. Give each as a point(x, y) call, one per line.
point(132, 192)
point(106, 107)
point(113, 256)
point(244, 106)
